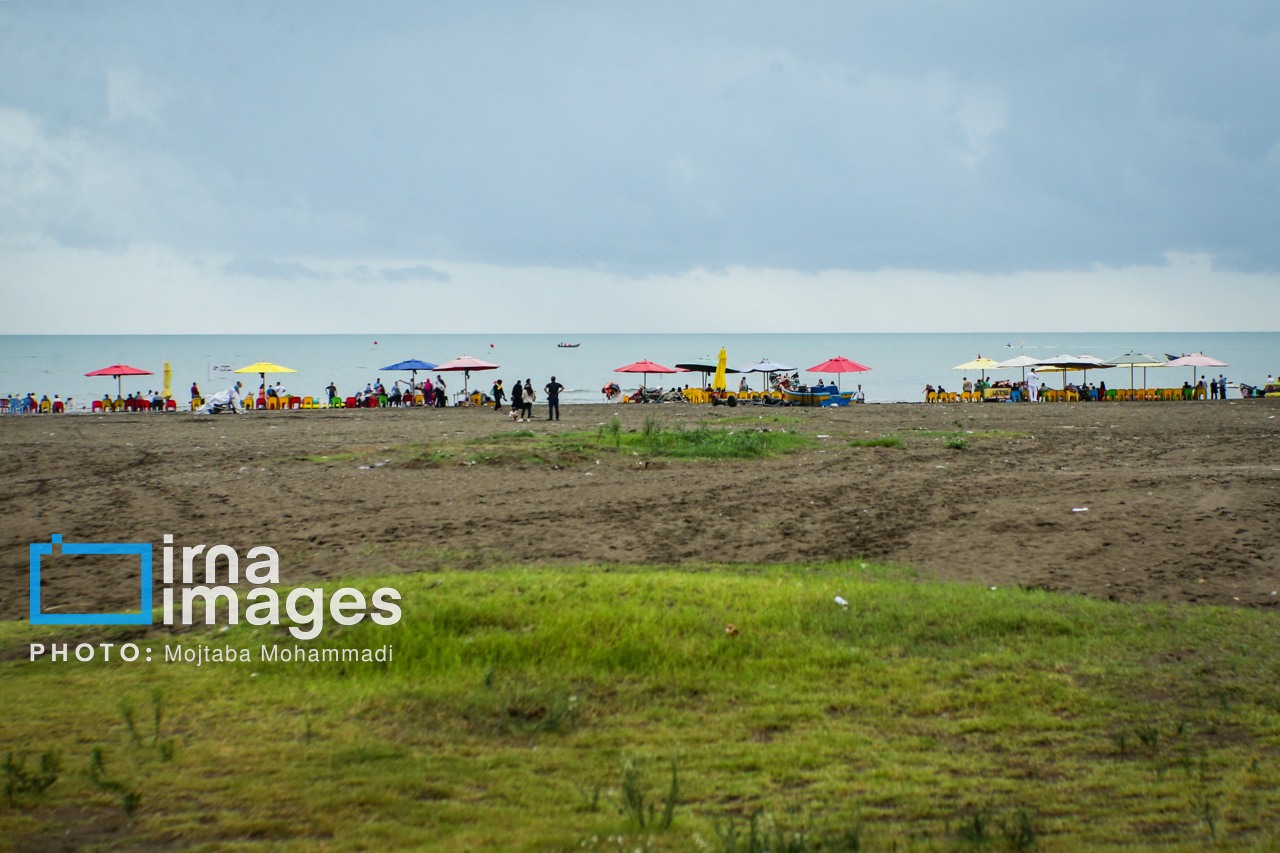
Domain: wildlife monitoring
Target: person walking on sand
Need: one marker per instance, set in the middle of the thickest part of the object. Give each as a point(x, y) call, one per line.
point(553, 389)
point(498, 395)
point(517, 401)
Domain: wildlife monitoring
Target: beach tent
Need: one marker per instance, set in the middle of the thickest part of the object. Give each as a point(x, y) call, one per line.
point(466, 364)
point(118, 370)
point(644, 367)
point(839, 366)
point(1133, 359)
point(1196, 359)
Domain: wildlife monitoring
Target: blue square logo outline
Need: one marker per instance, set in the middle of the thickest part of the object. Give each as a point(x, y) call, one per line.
point(141, 549)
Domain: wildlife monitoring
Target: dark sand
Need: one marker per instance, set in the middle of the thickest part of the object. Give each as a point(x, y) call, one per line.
point(1182, 497)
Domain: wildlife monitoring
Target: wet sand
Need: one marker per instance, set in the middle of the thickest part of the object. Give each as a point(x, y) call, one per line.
point(1182, 500)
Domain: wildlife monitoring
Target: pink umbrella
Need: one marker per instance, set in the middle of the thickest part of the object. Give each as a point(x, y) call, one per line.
point(466, 364)
point(118, 370)
point(1196, 359)
point(646, 367)
point(838, 365)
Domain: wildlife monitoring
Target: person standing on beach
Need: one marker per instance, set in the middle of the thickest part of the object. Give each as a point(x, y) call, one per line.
point(553, 389)
point(517, 400)
point(498, 395)
point(1033, 386)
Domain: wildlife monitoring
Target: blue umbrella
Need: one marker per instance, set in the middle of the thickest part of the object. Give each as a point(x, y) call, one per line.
point(413, 365)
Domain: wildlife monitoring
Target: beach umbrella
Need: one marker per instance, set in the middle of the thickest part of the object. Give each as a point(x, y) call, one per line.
point(703, 365)
point(413, 365)
point(717, 382)
point(979, 363)
point(1063, 363)
point(1133, 359)
point(118, 370)
point(466, 364)
point(1196, 359)
point(644, 367)
point(1024, 361)
point(766, 367)
point(262, 368)
point(839, 366)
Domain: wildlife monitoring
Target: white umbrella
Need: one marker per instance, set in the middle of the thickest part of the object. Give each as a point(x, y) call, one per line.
point(766, 367)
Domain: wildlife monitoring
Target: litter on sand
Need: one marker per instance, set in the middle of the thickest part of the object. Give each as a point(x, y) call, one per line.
point(1080, 509)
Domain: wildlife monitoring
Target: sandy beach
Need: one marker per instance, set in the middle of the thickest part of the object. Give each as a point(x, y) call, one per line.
point(1177, 502)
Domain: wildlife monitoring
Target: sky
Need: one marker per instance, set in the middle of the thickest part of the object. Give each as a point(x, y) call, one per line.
point(650, 167)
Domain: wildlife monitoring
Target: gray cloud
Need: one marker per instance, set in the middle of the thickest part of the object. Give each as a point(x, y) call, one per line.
point(955, 136)
point(421, 272)
point(267, 268)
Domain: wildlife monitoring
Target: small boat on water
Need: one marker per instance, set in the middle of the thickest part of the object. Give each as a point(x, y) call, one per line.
point(568, 346)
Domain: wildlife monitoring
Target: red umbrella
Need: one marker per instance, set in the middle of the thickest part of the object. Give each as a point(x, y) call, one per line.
point(838, 365)
point(646, 367)
point(118, 370)
point(466, 364)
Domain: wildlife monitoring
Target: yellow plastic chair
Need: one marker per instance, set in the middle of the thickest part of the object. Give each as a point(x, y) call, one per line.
point(45, 407)
point(308, 402)
point(419, 400)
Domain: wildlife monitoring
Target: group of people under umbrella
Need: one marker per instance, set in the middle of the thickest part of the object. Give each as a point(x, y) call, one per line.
point(1032, 368)
point(230, 397)
point(775, 373)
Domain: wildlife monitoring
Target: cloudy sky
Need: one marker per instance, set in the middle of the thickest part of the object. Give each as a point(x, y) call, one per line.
point(548, 167)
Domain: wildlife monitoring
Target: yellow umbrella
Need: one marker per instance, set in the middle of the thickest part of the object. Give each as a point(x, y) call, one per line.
point(168, 375)
point(718, 384)
point(262, 368)
point(979, 363)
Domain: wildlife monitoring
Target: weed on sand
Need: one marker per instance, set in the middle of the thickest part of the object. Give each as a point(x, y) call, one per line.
point(675, 709)
point(655, 440)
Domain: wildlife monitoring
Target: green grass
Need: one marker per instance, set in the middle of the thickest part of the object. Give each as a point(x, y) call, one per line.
point(522, 704)
point(882, 441)
point(704, 442)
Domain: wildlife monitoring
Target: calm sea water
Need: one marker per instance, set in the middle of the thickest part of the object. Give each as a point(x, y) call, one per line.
point(901, 363)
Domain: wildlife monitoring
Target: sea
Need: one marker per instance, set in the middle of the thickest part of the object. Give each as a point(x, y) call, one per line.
point(901, 364)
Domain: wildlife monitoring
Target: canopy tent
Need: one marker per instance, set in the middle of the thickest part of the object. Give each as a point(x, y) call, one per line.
point(262, 368)
point(766, 367)
point(413, 365)
point(466, 364)
point(979, 363)
point(1133, 359)
point(839, 366)
point(644, 367)
point(1196, 359)
point(118, 370)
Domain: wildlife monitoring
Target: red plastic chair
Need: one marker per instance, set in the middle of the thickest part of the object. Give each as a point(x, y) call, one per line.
point(171, 405)
point(97, 405)
point(58, 408)
point(351, 402)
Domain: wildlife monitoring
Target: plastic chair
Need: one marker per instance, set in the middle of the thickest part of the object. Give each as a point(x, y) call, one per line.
point(351, 403)
point(419, 400)
point(97, 405)
point(171, 405)
point(59, 408)
point(45, 407)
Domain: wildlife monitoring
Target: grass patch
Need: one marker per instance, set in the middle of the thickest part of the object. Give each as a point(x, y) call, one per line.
point(506, 437)
point(882, 441)
point(654, 440)
point(916, 716)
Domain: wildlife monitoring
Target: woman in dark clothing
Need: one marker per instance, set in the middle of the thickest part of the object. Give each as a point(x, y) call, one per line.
point(498, 395)
point(517, 400)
